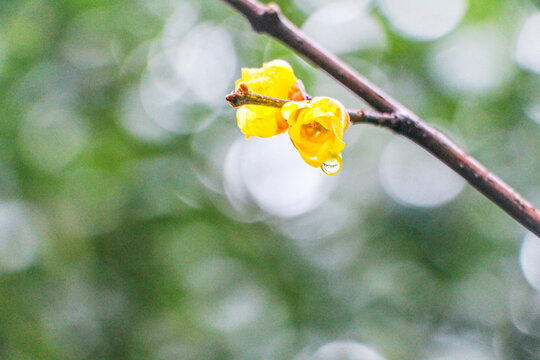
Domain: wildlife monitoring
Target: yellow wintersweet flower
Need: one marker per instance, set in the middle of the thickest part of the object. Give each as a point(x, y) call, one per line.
point(276, 79)
point(316, 129)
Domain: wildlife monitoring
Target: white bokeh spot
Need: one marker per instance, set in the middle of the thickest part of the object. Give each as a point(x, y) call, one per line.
point(206, 60)
point(346, 350)
point(19, 241)
point(451, 347)
point(528, 44)
point(414, 177)
point(271, 173)
point(529, 260)
point(423, 20)
point(474, 61)
point(349, 28)
point(533, 110)
point(188, 73)
point(312, 5)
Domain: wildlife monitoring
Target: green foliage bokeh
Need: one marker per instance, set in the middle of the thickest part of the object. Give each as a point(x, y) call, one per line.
point(119, 239)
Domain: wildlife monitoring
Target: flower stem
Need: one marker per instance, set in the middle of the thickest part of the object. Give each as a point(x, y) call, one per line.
point(244, 96)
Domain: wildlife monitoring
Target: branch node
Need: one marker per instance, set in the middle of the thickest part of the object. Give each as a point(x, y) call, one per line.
point(272, 13)
point(268, 17)
point(243, 89)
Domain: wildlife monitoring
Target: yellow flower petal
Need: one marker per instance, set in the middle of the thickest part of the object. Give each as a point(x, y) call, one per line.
point(316, 129)
point(276, 79)
point(261, 121)
point(291, 107)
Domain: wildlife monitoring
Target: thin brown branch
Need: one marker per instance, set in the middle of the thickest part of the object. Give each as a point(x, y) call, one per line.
point(244, 96)
point(268, 19)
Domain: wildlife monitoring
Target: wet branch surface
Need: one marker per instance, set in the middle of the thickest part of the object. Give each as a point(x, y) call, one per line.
point(393, 115)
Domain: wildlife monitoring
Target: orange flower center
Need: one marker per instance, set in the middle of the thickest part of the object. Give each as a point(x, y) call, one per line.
point(314, 132)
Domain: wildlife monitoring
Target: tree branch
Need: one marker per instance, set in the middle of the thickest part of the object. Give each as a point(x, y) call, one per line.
point(268, 19)
point(244, 96)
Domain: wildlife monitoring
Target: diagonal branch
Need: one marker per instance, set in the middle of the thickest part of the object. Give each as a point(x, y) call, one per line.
point(268, 19)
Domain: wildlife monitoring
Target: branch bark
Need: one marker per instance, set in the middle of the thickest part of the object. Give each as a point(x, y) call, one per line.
point(244, 96)
point(396, 117)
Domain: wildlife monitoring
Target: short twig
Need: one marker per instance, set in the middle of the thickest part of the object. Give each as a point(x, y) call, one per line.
point(244, 96)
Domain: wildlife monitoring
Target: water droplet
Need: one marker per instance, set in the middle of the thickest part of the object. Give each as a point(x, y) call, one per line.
point(331, 166)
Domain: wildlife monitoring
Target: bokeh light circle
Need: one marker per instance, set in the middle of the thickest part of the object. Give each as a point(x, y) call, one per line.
point(529, 260)
point(19, 239)
point(527, 53)
point(474, 61)
point(533, 110)
point(278, 179)
point(205, 60)
point(52, 136)
point(271, 173)
point(346, 350)
point(312, 5)
point(136, 122)
point(423, 20)
point(414, 177)
point(525, 311)
point(186, 78)
point(461, 346)
point(350, 28)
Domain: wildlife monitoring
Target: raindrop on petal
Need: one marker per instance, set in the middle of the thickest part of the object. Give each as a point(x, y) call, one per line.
point(331, 166)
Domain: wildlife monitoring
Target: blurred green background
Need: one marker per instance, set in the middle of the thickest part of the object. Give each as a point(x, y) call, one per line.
point(136, 222)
